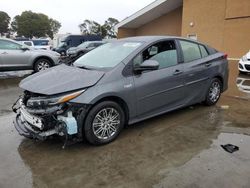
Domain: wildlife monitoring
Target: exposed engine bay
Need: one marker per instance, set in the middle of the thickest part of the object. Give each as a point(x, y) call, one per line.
point(40, 117)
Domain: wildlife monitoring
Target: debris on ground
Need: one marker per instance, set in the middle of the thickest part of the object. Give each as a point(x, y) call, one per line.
point(224, 107)
point(230, 148)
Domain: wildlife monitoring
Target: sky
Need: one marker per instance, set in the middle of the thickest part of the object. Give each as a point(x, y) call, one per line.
point(71, 13)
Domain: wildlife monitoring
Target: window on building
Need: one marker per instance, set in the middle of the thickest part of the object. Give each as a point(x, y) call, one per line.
point(164, 53)
point(192, 36)
point(190, 51)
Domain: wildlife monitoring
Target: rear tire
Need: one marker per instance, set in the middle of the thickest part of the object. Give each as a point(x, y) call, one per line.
point(104, 123)
point(214, 92)
point(42, 64)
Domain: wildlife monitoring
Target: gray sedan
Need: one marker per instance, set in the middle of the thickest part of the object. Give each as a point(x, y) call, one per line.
point(121, 82)
point(15, 56)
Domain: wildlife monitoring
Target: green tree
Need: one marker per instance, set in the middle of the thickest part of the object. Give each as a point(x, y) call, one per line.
point(54, 27)
point(30, 24)
point(109, 26)
point(4, 22)
point(90, 27)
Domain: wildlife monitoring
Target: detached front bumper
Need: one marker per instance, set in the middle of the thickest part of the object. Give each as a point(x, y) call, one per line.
point(24, 129)
point(30, 126)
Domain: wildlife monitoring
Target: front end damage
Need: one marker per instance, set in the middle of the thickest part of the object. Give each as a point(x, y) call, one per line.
point(40, 117)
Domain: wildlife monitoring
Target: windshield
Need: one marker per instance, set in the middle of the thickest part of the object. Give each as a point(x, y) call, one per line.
point(62, 44)
point(107, 55)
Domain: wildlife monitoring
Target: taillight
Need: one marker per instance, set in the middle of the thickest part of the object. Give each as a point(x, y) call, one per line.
point(225, 56)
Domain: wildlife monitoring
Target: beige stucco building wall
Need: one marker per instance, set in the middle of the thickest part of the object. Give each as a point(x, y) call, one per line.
point(168, 24)
point(223, 24)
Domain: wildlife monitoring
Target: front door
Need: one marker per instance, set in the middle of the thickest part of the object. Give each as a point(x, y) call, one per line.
point(159, 90)
point(12, 55)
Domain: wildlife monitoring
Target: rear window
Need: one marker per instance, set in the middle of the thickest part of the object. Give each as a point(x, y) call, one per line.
point(41, 42)
point(191, 51)
point(204, 52)
point(28, 43)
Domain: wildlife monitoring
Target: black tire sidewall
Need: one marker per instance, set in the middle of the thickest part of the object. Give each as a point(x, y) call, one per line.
point(38, 61)
point(242, 72)
point(208, 102)
point(89, 134)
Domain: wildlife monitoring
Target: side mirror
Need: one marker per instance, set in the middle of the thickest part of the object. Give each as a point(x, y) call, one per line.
point(147, 65)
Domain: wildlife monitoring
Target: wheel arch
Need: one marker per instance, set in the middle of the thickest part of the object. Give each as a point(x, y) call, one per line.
point(221, 79)
point(119, 101)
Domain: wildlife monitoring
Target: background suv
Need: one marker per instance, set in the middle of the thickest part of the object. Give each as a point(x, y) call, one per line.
point(16, 56)
point(83, 48)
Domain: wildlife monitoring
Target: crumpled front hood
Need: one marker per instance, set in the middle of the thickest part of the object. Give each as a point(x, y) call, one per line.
point(60, 79)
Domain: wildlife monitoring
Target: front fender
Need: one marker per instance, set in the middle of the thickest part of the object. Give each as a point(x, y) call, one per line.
point(113, 89)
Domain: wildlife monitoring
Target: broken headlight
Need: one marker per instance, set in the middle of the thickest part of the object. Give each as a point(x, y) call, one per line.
point(49, 101)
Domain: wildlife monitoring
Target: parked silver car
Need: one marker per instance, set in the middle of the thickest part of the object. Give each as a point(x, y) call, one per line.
point(16, 56)
point(121, 82)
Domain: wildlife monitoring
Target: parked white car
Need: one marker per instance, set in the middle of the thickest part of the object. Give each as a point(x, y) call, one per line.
point(244, 63)
point(243, 84)
point(28, 43)
point(42, 44)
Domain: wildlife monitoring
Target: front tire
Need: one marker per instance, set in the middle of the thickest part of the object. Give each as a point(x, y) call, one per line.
point(214, 92)
point(42, 64)
point(104, 123)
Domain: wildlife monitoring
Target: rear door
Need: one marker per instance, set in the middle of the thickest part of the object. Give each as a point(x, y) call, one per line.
point(162, 89)
point(12, 55)
point(195, 70)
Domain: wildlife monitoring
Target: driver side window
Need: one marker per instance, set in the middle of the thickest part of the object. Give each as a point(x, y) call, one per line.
point(8, 45)
point(164, 53)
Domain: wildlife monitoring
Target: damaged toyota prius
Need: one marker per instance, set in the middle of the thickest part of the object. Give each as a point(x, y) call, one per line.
point(119, 83)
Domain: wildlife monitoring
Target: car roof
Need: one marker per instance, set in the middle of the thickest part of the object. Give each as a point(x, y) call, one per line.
point(147, 39)
point(7, 39)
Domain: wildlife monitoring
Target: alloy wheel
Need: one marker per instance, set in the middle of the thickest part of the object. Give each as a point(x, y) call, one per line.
point(214, 91)
point(43, 65)
point(106, 123)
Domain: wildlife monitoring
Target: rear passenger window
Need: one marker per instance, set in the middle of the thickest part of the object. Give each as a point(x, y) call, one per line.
point(204, 52)
point(190, 51)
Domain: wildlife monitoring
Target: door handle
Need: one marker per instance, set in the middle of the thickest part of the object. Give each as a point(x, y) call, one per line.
point(208, 64)
point(177, 72)
point(4, 53)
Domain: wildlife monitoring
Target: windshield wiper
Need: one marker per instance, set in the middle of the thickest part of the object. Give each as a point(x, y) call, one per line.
point(84, 67)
